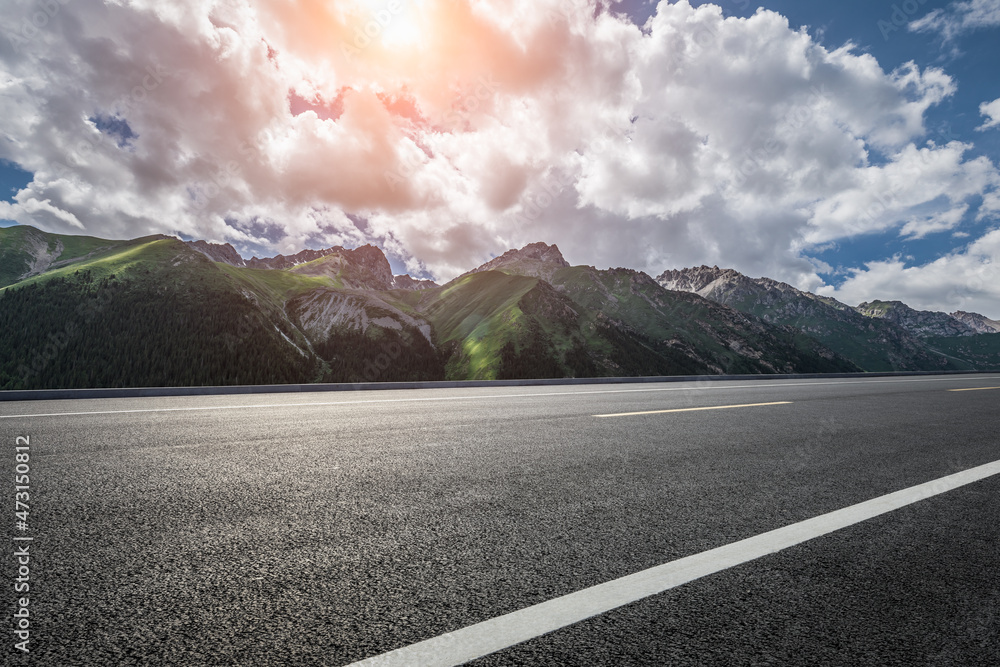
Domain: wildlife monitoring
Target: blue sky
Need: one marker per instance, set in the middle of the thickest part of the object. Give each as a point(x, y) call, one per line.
point(12, 179)
point(450, 135)
point(874, 27)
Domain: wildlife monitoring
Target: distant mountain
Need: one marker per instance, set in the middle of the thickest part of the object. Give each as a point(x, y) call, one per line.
point(367, 266)
point(224, 253)
point(979, 323)
point(156, 311)
point(720, 338)
point(611, 323)
point(982, 351)
point(873, 344)
point(920, 323)
point(26, 252)
point(405, 282)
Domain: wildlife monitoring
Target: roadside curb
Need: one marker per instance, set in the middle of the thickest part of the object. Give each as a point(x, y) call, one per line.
point(65, 394)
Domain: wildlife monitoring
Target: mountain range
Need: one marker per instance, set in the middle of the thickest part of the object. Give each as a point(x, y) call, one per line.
point(79, 311)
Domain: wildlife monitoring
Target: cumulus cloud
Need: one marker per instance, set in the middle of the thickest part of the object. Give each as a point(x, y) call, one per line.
point(992, 112)
point(965, 280)
point(450, 130)
point(959, 17)
point(920, 190)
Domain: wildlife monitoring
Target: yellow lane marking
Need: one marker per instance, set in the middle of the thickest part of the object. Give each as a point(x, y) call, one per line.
point(714, 407)
point(975, 389)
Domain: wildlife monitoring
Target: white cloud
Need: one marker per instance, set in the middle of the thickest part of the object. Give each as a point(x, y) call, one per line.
point(965, 280)
point(960, 17)
point(992, 112)
point(919, 190)
point(698, 139)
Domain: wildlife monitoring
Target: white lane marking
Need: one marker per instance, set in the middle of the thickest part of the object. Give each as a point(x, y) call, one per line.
point(709, 385)
point(975, 389)
point(476, 641)
point(711, 407)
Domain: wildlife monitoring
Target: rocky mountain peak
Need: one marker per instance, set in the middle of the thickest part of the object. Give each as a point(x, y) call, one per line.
point(980, 323)
point(362, 268)
point(702, 280)
point(224, 252)
point(538, 252)
point(921, 323)
point(407, 282)
point(373, 261)
point(538, 260)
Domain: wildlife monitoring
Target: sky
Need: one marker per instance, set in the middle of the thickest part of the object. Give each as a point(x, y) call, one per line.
point(849, 148)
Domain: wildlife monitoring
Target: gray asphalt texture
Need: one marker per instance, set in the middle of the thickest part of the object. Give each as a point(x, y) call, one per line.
point(333, 531)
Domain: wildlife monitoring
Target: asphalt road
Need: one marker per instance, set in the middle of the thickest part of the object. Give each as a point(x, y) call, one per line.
point(319, 529)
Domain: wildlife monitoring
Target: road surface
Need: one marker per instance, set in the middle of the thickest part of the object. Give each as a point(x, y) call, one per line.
point(319, 529)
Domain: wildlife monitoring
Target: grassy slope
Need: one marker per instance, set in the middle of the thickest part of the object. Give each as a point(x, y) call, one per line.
point(136, 258)
point(149, 261)
point(477, 315)
point(158, 313)
point(15, 260)
point(320, 268)
point(876, 345)
point(272, 288)
point(482, 320)
point(713, 333)
point(982, 351)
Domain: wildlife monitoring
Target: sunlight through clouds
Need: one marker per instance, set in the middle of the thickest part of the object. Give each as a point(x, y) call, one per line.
point(455, 129)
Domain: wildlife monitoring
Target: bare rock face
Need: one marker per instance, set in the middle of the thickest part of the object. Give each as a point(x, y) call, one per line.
point(284, 263)
point(406, 282)
point(980, 323)
point(775, 302)
point(224, 253)
point(537, 260)
point(361, 268)
point(921, 323)
point(369, 268)
point(876, 344)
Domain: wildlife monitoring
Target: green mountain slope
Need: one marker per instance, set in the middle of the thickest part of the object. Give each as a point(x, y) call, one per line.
point(475, 317)
point(981, 351)
point(494, 325)
point(145, 313)
point(155, 311)
point(632, 326)
point(920, 323)
point(26, 252)
point(875, 345)
point(721, 339)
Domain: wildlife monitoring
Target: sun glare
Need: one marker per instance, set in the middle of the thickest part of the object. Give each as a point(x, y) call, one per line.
point(395, 24)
